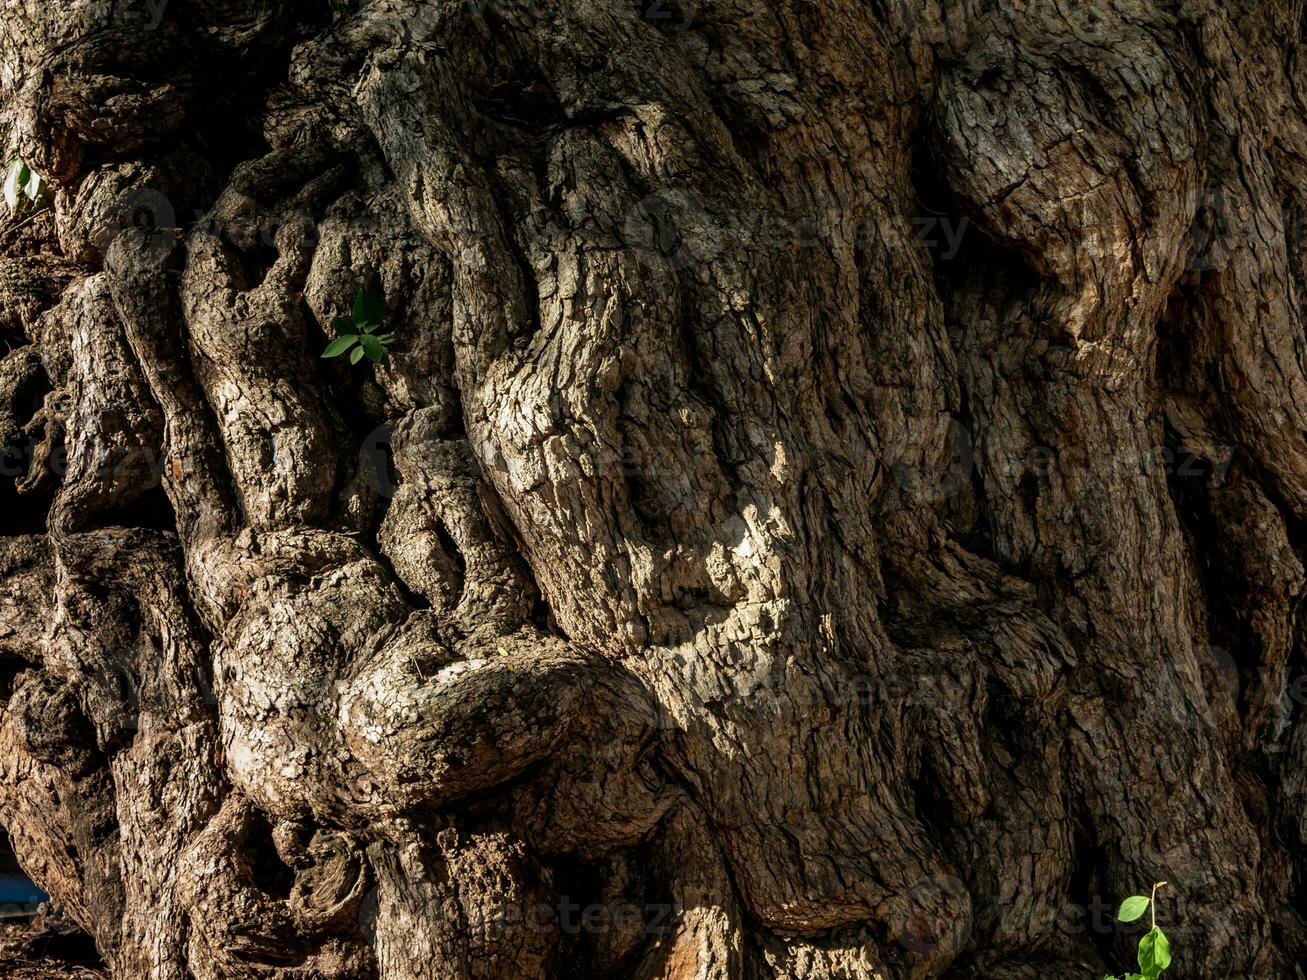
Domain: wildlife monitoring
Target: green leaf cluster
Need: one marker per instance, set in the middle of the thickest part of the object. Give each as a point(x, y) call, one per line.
point(23, 184)
point(357, 333)
point(1154, 952)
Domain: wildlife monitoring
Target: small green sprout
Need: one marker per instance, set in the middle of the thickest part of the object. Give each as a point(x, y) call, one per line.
point(23, 185)
point(1154, 950)
point(361, 329)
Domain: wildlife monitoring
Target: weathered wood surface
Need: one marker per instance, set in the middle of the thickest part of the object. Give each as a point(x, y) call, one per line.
point(834, 509)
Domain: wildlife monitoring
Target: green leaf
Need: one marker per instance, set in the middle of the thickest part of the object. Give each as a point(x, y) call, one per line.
point(33, 187)
point(386, 338)
point(340, 345)
point(356, 355)
point(1132, 908)
point(14, 181)
point(372, 347)
point(1154, 953)
point(342, 325)
point(369, 307)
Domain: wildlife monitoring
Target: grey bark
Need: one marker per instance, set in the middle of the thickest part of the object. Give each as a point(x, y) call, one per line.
point(834, 507)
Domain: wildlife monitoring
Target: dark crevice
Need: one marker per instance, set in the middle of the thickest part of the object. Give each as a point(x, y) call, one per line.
point(10, 670)
point(698, 381)
point(972, 270)
point(269, 873)
point(979, 282)
point(612, 915)
point(452, 551)
point(1232, 662)
point(149, 509)
point(1085, 892)
point(254, 257)
point(24, 513)
point(375, 464)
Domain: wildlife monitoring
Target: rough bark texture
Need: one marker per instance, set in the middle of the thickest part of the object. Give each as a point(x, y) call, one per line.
point(835, 507)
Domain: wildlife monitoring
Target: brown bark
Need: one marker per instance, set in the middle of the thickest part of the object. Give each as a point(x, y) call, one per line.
point(833, 509)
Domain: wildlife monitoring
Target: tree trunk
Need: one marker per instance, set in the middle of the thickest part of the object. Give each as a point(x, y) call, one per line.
point(834, 507)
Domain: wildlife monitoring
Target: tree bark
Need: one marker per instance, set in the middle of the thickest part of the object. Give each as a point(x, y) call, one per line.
point(834, 507)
